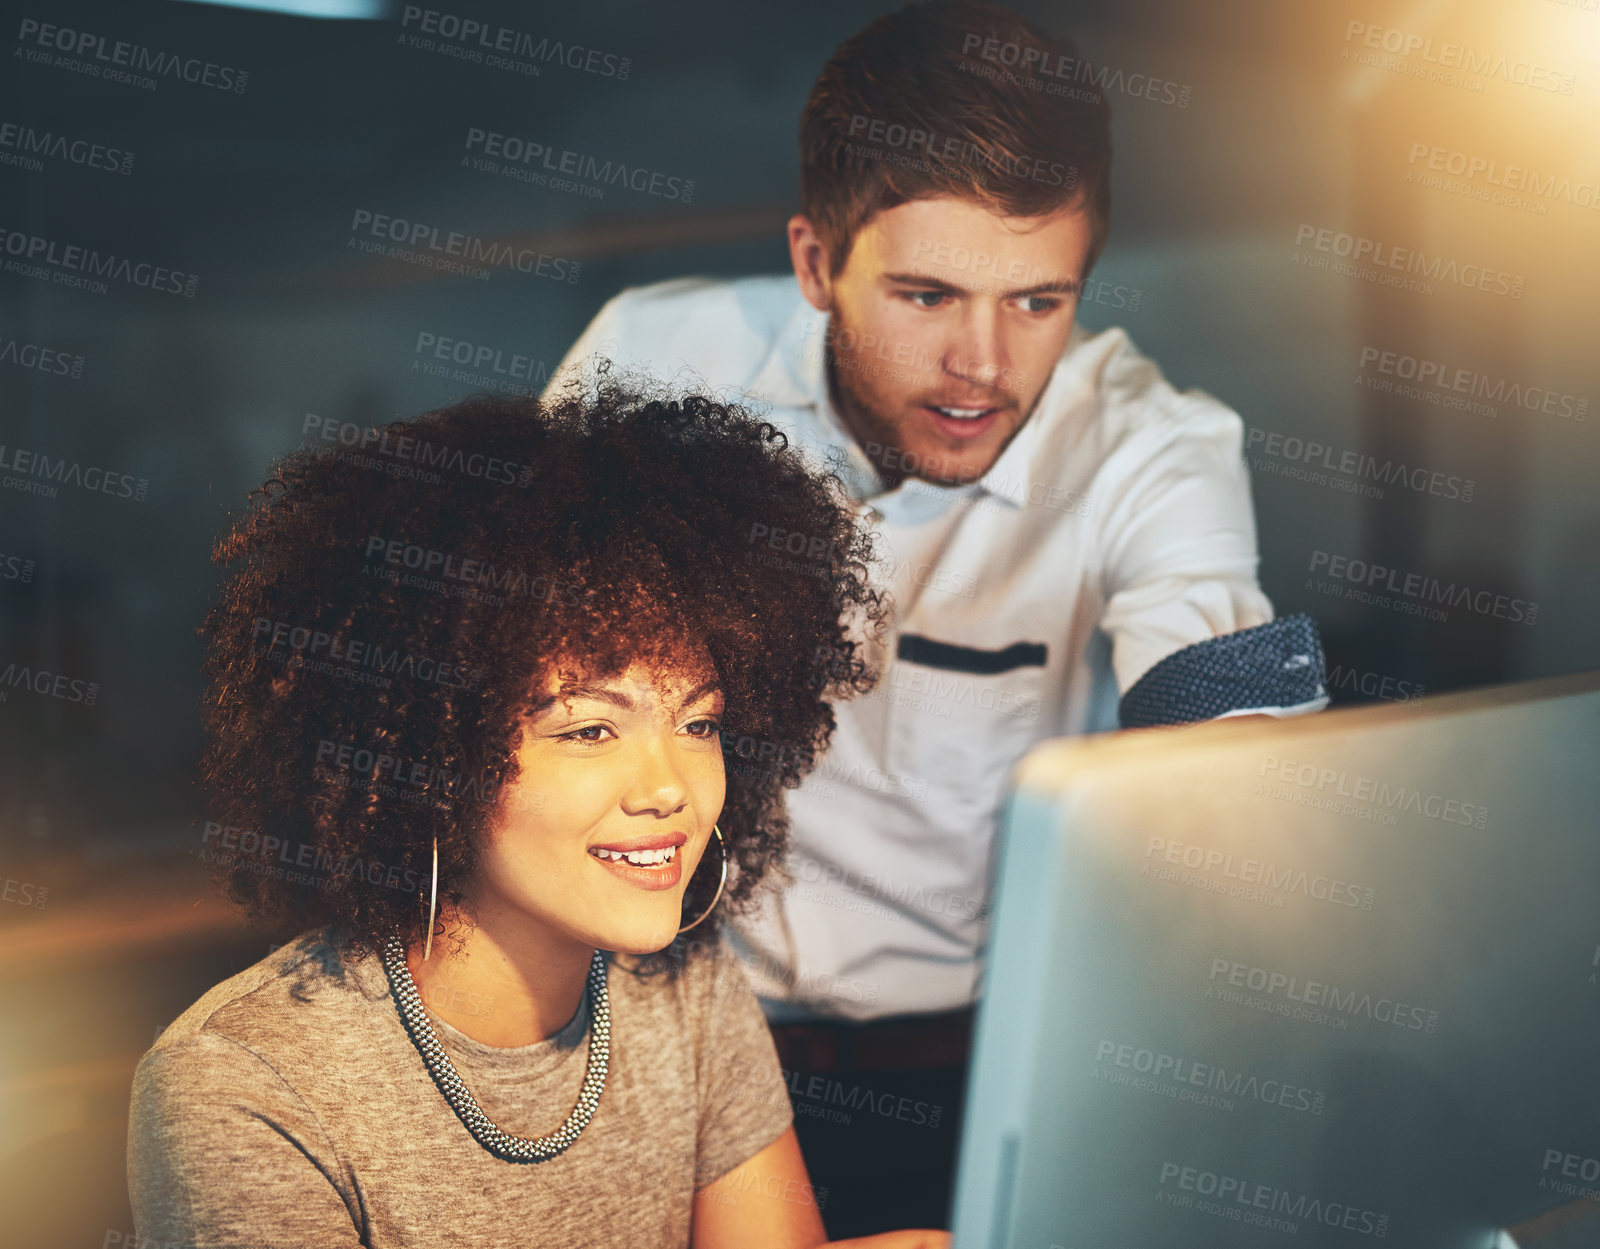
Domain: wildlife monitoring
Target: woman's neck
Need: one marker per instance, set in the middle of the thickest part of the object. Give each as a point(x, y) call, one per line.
point(504, 983)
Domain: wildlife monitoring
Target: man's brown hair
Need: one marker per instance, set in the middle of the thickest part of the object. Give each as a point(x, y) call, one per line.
point(952, 97)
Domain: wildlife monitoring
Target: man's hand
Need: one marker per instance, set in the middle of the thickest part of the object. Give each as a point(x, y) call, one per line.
point(920, 1238)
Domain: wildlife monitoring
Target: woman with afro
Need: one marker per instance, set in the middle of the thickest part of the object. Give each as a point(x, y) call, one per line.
point(501, 705)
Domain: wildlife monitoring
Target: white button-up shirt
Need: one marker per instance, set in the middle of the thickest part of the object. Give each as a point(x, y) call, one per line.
point(1120, 512)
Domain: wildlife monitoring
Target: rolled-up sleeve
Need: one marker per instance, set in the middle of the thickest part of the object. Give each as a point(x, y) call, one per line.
point(1192, 635)
point(1177, 540)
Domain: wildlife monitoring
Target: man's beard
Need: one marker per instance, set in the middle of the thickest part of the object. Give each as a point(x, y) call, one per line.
point(872, 430)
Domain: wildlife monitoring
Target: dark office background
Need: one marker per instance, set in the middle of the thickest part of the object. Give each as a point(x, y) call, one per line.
point(1266, 123)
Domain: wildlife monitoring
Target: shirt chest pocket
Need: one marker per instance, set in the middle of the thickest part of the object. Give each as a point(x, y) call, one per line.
point(959, 718)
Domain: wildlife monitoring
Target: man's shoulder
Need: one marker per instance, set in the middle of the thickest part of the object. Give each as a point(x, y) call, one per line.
point(1130, 397)
point(722, 329)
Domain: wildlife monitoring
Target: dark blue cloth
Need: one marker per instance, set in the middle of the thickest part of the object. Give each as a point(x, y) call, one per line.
point(1273, 665)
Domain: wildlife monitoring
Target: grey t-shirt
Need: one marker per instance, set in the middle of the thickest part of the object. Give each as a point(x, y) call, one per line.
point(289, 1108)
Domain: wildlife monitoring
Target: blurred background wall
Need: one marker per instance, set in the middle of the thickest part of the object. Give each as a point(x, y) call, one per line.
point(1282, 173)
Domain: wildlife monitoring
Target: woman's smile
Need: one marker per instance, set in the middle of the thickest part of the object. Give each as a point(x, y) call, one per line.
point(651, 863)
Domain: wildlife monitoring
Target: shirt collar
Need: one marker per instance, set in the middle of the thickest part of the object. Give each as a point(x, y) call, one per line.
point(794, 375)
point(1024, 472)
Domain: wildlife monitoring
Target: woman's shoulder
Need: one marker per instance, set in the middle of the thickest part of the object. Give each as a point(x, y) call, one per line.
point(740, 1102)
point(299, 994)
point(248, 1073)
point(704, 980)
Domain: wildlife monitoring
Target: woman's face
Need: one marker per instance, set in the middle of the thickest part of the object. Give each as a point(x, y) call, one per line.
point(621, 781)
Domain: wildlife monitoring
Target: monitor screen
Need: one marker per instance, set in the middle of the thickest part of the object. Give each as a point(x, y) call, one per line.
point(1329, 981)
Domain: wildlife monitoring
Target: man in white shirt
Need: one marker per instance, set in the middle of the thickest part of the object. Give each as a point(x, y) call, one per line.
point(1058, 527)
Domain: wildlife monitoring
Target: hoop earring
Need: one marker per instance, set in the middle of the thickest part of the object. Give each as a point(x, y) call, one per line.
point(433, 900)
point(723, 846)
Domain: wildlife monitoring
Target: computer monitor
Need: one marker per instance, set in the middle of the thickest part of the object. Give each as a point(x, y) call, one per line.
point(1320, 981)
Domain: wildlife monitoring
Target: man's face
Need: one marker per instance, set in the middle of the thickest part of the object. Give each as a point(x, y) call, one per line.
point(945, 324)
